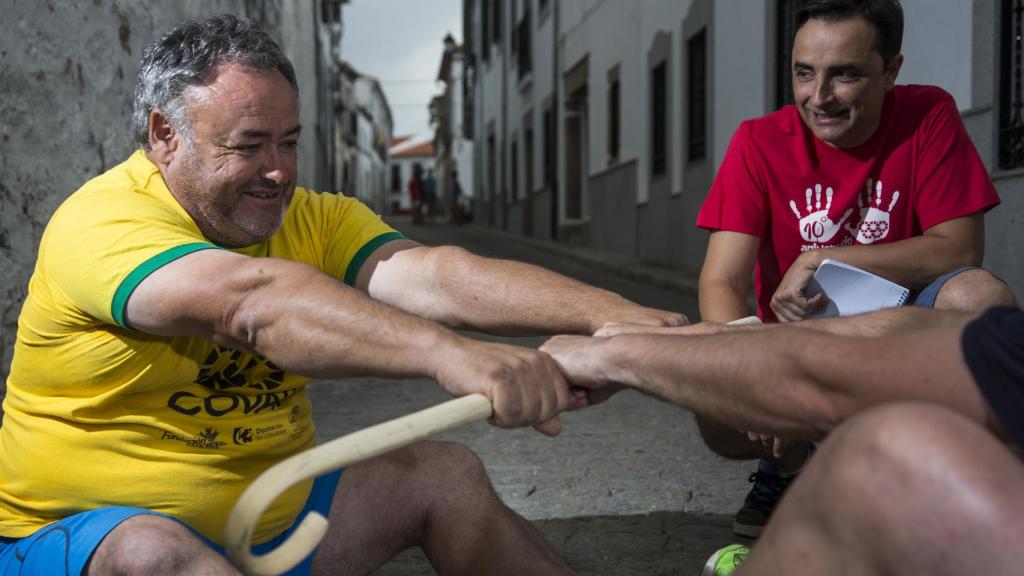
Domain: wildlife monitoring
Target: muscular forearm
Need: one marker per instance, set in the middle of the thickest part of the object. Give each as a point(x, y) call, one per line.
point(889, 321)
point(723, 376)
point(800, 385)
point(913, 262)
point(885, 322)
point(463, 290)
point(313, 325)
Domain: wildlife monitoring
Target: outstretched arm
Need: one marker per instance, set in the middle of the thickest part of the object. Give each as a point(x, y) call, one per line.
point(460, 289)
point(912, 262)
point(886, 322)
point(883, 322)
point(791, 382)
point(311, 324)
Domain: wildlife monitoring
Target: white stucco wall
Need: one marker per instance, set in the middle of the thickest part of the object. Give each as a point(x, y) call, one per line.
point(739, 68)
point(937, 41)
point(501, 103)
point(590, 35)
point(462, 148)
point(587, 28)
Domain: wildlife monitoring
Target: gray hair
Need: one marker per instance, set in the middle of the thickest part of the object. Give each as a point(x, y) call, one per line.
point(187, 54)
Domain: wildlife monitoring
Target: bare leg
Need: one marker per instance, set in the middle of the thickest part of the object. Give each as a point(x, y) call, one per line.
point(436, 496)
point(150, 545)
point(974, 291)
point(735, 445)
point(902, 489)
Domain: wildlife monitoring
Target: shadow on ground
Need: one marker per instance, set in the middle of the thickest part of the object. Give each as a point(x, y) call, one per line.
point(658, 544)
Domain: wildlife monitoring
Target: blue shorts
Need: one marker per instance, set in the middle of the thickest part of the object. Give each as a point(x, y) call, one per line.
point(925, 298)
point(65, 547)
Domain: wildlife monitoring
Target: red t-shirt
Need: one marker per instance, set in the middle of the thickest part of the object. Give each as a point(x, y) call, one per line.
point(780, 183)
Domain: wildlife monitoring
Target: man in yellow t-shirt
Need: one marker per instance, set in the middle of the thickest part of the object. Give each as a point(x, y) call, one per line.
point(182, 300)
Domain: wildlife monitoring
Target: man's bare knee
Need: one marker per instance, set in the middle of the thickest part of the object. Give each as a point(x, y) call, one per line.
point(389, 503)
point(447, 464)
point(901, 459)
point(904, 477)
point(974, 291)
point(420, 477)
point(894, 438)
point(154, 545)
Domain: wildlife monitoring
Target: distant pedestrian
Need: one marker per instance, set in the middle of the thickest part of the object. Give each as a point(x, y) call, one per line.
point(429, 194)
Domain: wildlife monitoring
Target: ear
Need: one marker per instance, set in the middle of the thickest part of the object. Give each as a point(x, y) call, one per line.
point(892, 71)
point(164, 139)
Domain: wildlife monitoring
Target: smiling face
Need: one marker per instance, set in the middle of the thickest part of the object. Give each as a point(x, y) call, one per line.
point(840, 80)
point(236, 175)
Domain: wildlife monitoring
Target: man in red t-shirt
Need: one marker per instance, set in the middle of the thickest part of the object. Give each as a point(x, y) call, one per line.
point(859, 170)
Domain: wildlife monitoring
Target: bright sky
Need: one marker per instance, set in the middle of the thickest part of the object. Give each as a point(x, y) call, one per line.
point(400, 42)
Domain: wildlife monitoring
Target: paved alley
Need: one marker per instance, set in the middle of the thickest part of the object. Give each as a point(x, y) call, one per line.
point(628, 488)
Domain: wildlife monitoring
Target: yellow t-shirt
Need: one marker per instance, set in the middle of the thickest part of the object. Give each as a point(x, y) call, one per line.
point(98, 414)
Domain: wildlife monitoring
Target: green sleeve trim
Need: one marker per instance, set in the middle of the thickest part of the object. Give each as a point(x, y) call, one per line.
point(352, 272)
point(142, 271)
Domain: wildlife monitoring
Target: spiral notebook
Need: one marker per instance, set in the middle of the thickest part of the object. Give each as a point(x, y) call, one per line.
point(851, 290)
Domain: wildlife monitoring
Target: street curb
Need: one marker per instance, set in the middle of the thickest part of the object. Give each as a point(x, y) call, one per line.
point(612, 262)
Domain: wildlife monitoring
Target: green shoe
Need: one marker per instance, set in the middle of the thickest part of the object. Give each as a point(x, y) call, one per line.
point(726, 560)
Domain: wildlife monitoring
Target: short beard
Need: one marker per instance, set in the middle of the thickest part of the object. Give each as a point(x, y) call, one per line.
point(218, 223)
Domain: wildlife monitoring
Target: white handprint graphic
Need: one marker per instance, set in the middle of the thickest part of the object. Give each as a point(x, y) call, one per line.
point(874, 222)
point(816, 226)
point(863, 202)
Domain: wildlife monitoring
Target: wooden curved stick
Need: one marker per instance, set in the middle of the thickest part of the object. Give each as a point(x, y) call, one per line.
point(338, 453)
point(745, 321)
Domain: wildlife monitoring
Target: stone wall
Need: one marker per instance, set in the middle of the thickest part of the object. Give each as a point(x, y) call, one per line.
point(67, 71)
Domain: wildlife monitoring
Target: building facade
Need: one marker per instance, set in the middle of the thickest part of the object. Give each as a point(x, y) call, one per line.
point(603, 122)
point(374, 132)
point(452, 114)
point(364, 125)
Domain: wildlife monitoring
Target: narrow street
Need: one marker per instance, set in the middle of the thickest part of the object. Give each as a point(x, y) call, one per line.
point(627, 489)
